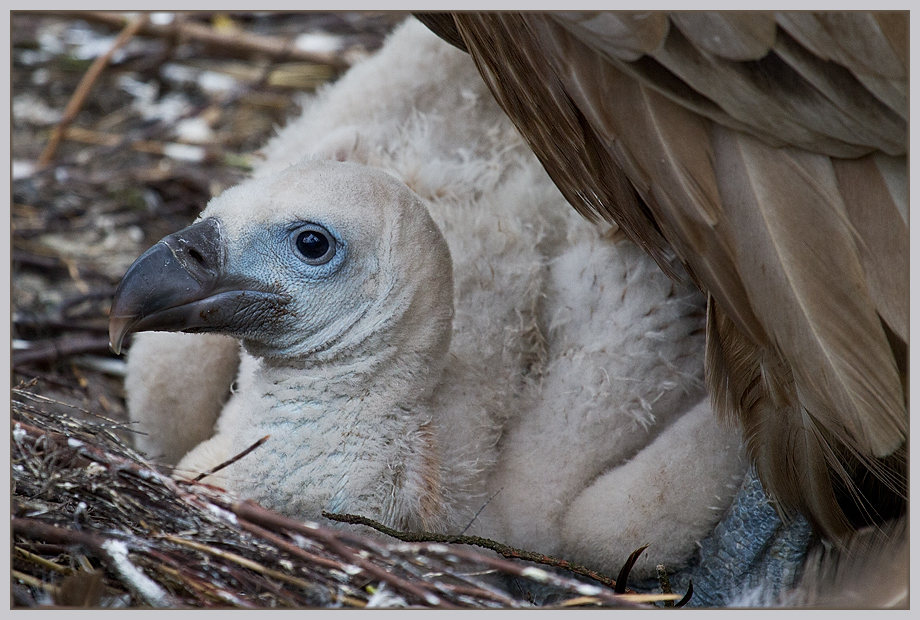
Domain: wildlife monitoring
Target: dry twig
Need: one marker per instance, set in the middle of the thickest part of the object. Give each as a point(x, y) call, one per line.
point(230, 461)
point(497, 547)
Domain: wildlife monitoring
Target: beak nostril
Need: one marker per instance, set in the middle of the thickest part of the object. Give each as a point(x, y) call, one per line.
point(196, 256)
point(197, 248)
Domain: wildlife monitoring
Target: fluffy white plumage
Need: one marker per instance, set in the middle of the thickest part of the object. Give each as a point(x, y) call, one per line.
point(562, 373)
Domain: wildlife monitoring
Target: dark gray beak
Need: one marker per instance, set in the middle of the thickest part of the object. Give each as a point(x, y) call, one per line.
point(182, 284)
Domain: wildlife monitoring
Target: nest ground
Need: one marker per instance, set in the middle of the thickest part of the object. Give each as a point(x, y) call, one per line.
point(96, 525)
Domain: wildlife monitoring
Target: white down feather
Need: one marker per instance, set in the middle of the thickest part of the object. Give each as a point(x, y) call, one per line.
point(572, 392)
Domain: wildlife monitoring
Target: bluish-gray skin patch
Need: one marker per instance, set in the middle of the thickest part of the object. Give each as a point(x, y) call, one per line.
point(750, 547)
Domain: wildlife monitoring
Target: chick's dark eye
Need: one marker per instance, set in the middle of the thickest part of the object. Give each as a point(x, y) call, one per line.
point(316, 245)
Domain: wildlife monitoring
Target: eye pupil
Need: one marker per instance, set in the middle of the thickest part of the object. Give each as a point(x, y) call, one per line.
point(314, 245)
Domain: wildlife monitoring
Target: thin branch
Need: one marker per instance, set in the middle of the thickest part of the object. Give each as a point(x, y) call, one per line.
point(664, 582)
point(230, 461)
point(45, 260)
point(291, 548)
point(479, 512)
point(34, 582)
point(37, 559)
point(497, 547)
point(94, 453)
point(196, 152)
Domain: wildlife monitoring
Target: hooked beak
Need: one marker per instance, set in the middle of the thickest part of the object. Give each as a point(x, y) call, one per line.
point(182, 284)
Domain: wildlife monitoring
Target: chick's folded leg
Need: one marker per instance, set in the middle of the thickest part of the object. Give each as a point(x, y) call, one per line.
point(670, 495)
point(623, 364)
point(177, 385)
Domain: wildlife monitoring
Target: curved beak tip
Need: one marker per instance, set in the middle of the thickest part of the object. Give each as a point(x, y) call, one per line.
point(118, 329)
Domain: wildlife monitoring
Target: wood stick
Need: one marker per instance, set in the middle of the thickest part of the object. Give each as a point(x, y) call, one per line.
point(664, 582)
point(45, 563)
point(188, 151)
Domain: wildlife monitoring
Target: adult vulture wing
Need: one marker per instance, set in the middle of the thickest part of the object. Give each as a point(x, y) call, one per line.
point(768, 152)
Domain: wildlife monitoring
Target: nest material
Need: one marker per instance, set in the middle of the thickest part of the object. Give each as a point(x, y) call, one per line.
point(97, 525)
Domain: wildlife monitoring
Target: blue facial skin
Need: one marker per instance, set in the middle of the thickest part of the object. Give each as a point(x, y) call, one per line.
point(319, 305)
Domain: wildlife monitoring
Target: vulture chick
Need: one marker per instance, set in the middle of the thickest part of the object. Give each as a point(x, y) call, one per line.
point(429, 335)
point(767, 153)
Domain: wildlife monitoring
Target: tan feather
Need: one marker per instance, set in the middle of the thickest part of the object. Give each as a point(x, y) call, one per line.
point(883, 238)
point(788, 214)
point(864, 121)
point(896, 31)
point(873, 46)
point(530, 92)
point(732, 35)
point(771, 99)
point(894, 172)
point(443, 24)
point(745, 377)
point(637, 34)
point(893, 93)
point(864, 42)
point(779, 103)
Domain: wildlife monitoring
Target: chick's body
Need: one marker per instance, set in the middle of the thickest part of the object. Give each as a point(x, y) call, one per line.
point(480, 353)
